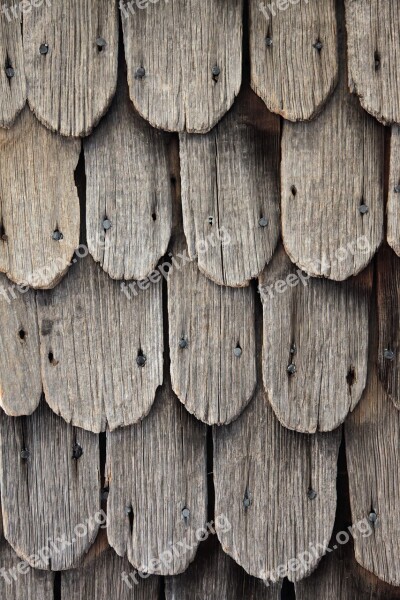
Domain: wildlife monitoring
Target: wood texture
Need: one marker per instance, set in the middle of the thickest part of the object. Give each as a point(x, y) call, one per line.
point(393, 205)
point(293, 52)
point(102, 580)
point(71, 54)
point(12, 74)
point(374, 56)
point(230, 192)
point(314, 372)
point(20, 379)
point(388, 290)
point(332, 189)
point(128, 184)
point(215, 576)
point(277, 488)
point(372, 442)
point(184, 61)
point(46, 492)
point(212, 343)
point(38, 203)
point(101, 351)
point(19, 581)
point(156, 471)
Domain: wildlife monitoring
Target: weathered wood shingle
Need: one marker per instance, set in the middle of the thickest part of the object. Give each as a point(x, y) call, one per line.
point(184, 60)
point(293, 51)
point(101, 350)
point(71, 54)
point(12, 72)
point(230, 192)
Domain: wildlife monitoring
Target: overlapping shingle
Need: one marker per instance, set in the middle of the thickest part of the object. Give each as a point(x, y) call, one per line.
point(12, 73)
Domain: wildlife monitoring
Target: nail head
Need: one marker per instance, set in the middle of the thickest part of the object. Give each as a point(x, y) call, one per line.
point(291, 369)
point(44, 48)
point(57, 235)
point(388, 354)
point(107, 224)
point(263, 222)
point(140, 73)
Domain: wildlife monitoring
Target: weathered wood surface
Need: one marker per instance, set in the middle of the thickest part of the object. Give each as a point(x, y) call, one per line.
point(12, 74)
point(156, 471)
point(277, 488)
point(388, 291)
point(212, 342)
point(372, 443)
point(50, 489)
point(314, 370)
point(102, 580)
point(332, 189)
point(230, 192)
point(184, 61)
point(339, 577)
point(101, 350)
point(293, 52)
point(374, 56)
point(128, 199)
point(71, 55)
point(18, 581)
point(215, 576)
point(39, 205)
point(393, 205)
point(20, 379)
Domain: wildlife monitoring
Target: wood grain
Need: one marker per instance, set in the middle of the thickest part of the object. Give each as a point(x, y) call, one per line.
point(393, 204)
point(12, 74)
point(39, 205)
point(293, 53)
point(128, 191)
point(156, 471)
point(314, 372)
point(332, 189)
point(215, 576)
point(46, 492)
point(20, 379)
point(171, 49)
point(372, 442)
point(71, 54)
point(101, 351)
point(19, 581)
point(102, 580)
point(277, 488)
point(230, 192)
point(374, 56)
point(212, 343)
point(388, 290)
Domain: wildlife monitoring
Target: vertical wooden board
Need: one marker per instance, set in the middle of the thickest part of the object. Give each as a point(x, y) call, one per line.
point(39, 205)
point(30, 584)
point(277, 488)
point(101, 350)
point(20, 379)
point(12, 74)
point(388, 290)
point(184, 61)
point(71, 56)
point(374, 56)
point(105, 578)
point(50, 489)
point(314, 370)
point(156, 471)
point(393, 205)
point(212, 343)
point(230, 192)
point(293, 53)
point(128, 192)
point(332, 189)
point(215, 576)
point(372, 445)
